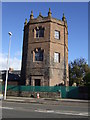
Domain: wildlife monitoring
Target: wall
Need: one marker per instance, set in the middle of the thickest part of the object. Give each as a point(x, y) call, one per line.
point(34, 94)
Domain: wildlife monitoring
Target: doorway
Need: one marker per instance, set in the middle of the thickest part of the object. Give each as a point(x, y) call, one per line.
point(37, 82)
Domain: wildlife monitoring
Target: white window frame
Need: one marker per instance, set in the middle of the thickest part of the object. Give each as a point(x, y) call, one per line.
point(57, 57)
point(57, 34)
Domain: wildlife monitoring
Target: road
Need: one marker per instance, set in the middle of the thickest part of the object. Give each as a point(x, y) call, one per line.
point(34, 110)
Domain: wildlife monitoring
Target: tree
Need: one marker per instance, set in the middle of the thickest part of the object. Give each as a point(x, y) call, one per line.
point(87, 79)
point(77, 71)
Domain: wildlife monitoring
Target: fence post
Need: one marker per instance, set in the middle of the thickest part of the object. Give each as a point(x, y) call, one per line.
point(1, 95)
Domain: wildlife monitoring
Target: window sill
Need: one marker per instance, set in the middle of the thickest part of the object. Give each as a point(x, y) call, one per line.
point(38, 37)
point(57, 62)
point(37, 61)
point(56, 39)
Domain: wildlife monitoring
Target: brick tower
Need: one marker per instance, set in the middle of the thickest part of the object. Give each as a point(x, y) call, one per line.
point(45, 51)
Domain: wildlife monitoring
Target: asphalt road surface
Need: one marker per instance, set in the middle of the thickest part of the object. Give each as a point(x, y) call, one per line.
point(32, 110)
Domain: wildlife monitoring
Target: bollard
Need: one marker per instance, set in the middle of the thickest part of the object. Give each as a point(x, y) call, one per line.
point(37, 95)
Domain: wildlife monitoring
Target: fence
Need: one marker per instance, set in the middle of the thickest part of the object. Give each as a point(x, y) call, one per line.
point(66, 92)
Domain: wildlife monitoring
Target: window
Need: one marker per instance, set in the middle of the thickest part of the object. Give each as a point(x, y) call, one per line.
point(39, 55)
point(39, 32)
point(57, 34)
point(56, 57)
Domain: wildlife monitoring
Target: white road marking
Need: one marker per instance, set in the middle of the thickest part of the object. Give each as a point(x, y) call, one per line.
point(63, 112)
point(6, 108)
point(45, 111)
point(14, 100)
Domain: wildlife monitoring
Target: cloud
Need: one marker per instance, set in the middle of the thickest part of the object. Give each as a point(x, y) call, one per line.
point(14, 63)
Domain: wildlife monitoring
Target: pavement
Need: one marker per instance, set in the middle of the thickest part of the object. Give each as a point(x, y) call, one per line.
point(42, 100)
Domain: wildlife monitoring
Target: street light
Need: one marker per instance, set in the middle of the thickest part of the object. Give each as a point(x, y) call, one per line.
point(10, 34)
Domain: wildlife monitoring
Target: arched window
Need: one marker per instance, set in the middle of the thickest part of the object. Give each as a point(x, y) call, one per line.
point(38, 53)
point(39, 32)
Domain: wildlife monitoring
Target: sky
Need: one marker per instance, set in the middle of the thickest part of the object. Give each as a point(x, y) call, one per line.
point(13, 18)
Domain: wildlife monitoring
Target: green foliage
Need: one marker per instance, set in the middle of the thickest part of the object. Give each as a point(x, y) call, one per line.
point(77, 71)
point(87, 79)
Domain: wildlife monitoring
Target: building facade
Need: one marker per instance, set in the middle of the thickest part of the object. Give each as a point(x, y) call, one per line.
point(45, 51)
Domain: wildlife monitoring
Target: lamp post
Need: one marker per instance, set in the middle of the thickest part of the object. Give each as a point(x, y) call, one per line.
point(10, 34)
